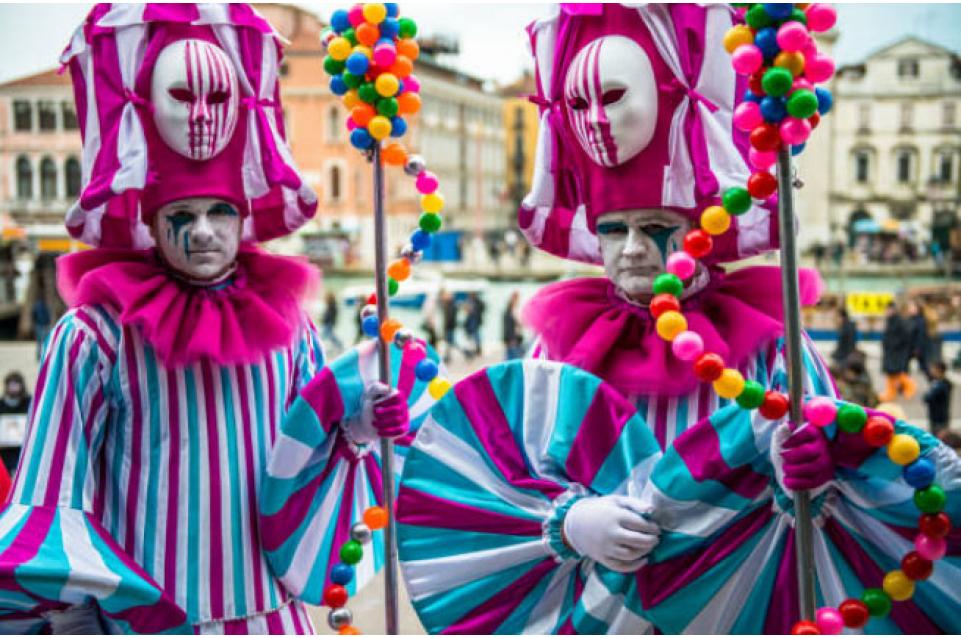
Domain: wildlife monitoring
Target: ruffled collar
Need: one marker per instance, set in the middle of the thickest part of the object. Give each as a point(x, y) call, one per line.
point(236, 320)
point(584, 322)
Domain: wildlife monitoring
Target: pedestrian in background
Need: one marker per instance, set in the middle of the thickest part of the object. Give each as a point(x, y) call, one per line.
point(474, 322)
point(896, 349)
point(847, 337)
point(920, 343)
point(513, 339)
point(854, 381)
point(40, 314)
point(329, 321)
point(448, 309)
point(15, 401)
point(938, 400)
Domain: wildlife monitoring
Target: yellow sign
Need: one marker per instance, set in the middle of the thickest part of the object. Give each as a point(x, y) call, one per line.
point(869, 303)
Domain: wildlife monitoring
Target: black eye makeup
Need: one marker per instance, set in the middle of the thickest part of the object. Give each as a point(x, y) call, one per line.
point(221, 208)
point(180, 217)
point(611, 228)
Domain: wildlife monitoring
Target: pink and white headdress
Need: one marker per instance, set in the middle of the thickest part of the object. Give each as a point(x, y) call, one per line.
point(636, 106)
point(180, 100)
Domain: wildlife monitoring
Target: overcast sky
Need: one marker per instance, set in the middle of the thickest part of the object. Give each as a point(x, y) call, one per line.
point(493, 44)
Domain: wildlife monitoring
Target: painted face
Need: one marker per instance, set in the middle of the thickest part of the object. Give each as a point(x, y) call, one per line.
point(198, 237)
point(635, 245)
point(611, 99)
point(194, 94)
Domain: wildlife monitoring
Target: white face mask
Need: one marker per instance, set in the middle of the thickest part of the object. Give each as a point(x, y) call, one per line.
point(198, 237)
point(635, 245)
point(611, 98)
point(194, 95)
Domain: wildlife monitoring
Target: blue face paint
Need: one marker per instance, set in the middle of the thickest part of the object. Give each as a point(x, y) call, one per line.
point(179, 222)
point(610, 228)
point(221, 208)
point(661, 235)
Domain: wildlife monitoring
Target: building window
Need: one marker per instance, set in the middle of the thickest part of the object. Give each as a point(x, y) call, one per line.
point(334, 183)
point(944, 168)
point(333, 124)
point(71, 169)
point(907, 115)
point(862, 166)
point(948, 115)
point(24, 178)
point(904, 165)
point(864, 116)
point(22, 115)
point(69, 115)
point(47, 115)
point(908, 68)
point(48, 179)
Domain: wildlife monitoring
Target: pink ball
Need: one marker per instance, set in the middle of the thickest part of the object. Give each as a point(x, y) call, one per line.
point(747, 116)
point(810, 49)
point(930, 548)
point(356, 15)
point(416, 350)
point(771, 202)
point(792, 36)
point(819, 68)
point(761, 160)
point(747, 59)
point(829, 621)
point(412, 84)
point(795, 131)
point(351, 124)
point(821, 17)
point(385, 54)
point(820, 411)
point(801, 83)
point(687, 346)
point(426, 183)
point(681, 264)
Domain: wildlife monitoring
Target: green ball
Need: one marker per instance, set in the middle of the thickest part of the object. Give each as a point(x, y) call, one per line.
point(408, 28)
point(752, 396)
point(388, 107)
point(777, 81)
point(430, 222)
point(332, 66)
point(798, 16)
point(351, 552)
point(757, 18)
point(851, 418)
point(350, 35)
point(931, 499)
point(802, 104)
point(352, 81)
point(392, 286)
point(736, 200)
point(367, 92)
point(877, 602)
point(668, 283)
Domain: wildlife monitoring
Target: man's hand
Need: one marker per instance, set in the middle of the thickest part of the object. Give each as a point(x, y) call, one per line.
point(610, 530)
point(383, 414)
point(806, 457)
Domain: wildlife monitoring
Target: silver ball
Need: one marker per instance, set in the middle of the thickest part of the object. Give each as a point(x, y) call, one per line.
point(370, 310)
point(402, 337)
point(339, 618)
point(415, 165)
point(411, 255)
point(360, 532)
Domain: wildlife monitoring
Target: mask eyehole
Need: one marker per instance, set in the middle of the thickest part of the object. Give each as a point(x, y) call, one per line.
point(612, 96)
point(182, 95)
point(218, 97)
point(577, 103)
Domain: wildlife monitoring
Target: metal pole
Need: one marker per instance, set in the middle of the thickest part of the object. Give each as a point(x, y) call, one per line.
point(803, 525)
point(386, 445)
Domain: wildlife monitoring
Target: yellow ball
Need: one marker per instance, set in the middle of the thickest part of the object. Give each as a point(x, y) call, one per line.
point(715, 220)
point(378, 127)
point(351, 99)
point(438, 387)
point(386, 84)
point(736, 36)
point(339, 48)
point(432, 203)
point(367, 51)
point(897, 585)
point(790, 60)
point(670, 324)
point(375, 12)
point(903, 449)
point(730, 384)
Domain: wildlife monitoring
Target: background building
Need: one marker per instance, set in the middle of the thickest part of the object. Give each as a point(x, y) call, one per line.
point(521, 122)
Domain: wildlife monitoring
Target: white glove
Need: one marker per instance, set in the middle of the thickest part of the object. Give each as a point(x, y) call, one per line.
point(77, 620)
point(611, 530)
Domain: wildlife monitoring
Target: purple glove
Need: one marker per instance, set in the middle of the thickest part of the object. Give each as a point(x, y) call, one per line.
point(391, 418)
point(807, 459)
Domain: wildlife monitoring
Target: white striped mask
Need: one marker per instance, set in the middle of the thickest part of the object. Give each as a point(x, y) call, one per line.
point(611, 99)
point(194, 96)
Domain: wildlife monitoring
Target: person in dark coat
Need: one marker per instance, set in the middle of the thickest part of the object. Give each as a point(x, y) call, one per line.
point(896, 350)
point(15, 401)
point(920, 342)
point(847, 338)
point(938, 400)
point(512, 337)
point(329, 322)
point(474, 321)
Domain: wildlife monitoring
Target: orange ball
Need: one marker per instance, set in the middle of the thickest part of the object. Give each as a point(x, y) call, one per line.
point(375, 517)
point(389, 328)
point(402, 66)
point(394, 154)
point(348, 630)
point(362, 114)
point(399, 269)
point(367, 34)
point(408, 47)
point(408, 103)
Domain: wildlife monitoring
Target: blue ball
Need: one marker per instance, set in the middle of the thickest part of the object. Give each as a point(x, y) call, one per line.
point(361, 139)
point(797, 149)
point(400, 87)
point(773, 109)
point(389, 29)
point(779, 10)
point(392, 9)
point(766, 41)
point(342, 574)
point(919, 474)
point(397, 126)
point(825, 99)
point(750, 97)
point(425, 370)
point(339, 20)
point(357, 63)
point(337, 85)
point(420, 239)
point(371, 324)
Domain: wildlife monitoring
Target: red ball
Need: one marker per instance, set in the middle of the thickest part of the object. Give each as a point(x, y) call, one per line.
point(766, 137)
point(854, 612)
point(761, 185)
point(775, 405)
point(814, 120)
point(805, 628)
point(335, 596)
point(709, 367)
point(916, 567)
point(372, 299)
point(663, 302)
point(878, 431)
point(698, 244)
point(935, 525)
point(754, 83)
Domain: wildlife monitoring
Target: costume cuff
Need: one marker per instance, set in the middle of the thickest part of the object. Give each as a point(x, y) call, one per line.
point(554, 523)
